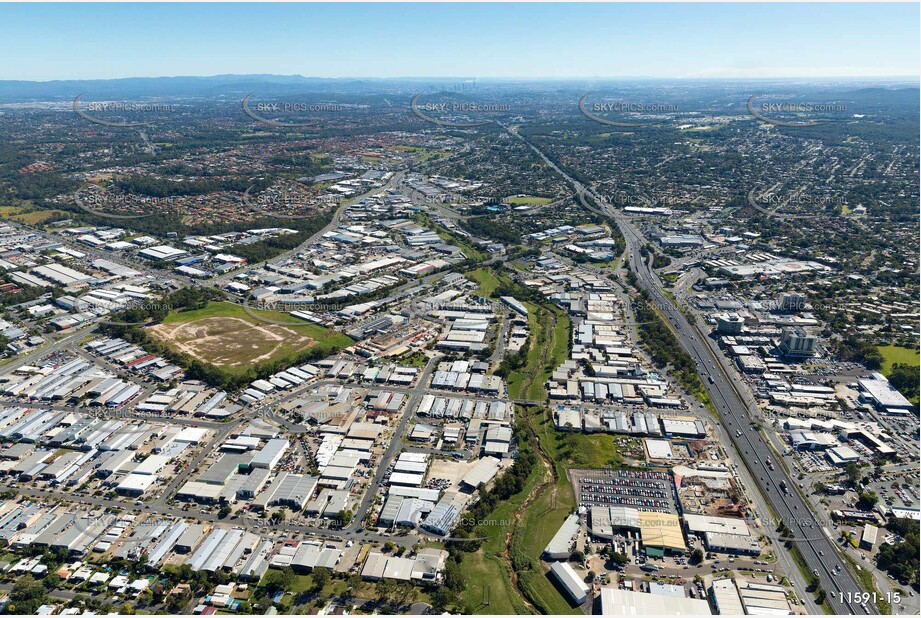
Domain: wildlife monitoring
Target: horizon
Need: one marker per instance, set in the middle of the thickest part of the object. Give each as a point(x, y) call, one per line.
point(510, 78)
point(525, 41)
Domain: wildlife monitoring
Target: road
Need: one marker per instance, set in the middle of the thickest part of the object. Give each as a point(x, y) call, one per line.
point(333, 224)
point(724, 387)
point(394, 447)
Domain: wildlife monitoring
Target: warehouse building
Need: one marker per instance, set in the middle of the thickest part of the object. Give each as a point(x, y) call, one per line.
point(190, 538)
point(443, 517)
point(570, 581)
point(725, 598)
point(563, 542)
point(869, 536)
point(270, 454)
point(880, 393)
point(161, 253)
point(760, 598)
point(291, 490)
point(661, 533)
point(723, 534)
point(615, 602)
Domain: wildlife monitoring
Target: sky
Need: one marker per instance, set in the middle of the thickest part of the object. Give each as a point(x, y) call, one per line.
point(47, 41)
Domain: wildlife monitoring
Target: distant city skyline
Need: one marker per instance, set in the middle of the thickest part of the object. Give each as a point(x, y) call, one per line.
point(502, 41)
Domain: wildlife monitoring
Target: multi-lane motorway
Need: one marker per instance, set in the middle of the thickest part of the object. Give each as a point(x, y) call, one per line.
point(811, 536)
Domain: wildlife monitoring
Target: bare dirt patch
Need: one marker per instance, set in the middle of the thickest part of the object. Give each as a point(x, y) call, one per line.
point(231, 342)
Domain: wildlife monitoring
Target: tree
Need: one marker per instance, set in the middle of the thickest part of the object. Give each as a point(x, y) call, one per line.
point(278, 579)
point(385, 589)
point(619, 558)
point(866, 500)
point(441, 598)
point(454, 577)
point(852, 471)
point(905, 379)
point(51, 581)
point(321, 577)
point(697, 556)
point(590, 577)
point(577, 556)
point(26, 596)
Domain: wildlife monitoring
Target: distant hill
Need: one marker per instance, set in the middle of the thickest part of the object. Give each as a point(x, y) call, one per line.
point(237, 86)
point(207, 87)
point(900, 96)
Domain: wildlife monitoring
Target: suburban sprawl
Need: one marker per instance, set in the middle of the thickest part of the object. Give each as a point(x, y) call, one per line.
point(524, 359)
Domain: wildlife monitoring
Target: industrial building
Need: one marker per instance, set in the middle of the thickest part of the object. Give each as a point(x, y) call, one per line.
point(563, 542)
point(570, 581)
point(723, 534)
point(877, 391)
point(725, 598)
point(869, 536)
point(616, 602)
point(760, 598)
point(661, 532)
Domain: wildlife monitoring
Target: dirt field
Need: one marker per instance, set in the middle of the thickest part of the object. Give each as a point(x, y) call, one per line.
point(232, 342)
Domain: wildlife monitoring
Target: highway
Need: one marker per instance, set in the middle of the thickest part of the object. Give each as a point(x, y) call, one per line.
point(812, 538)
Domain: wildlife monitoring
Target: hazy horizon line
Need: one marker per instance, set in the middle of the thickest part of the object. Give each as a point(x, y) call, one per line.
point(485, 79)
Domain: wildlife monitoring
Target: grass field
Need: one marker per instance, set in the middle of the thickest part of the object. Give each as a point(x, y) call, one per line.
point(486, 280)
point(556, 355)
point(549, 347)
point(894, 354)
point(302, 592)
point(487, 569)
point(446, 235)
point(528, 200)
point(23, 214)
point(544, 517)
point(225, 335)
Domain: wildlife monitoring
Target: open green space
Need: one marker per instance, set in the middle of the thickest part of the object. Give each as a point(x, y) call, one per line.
point(26, 212)
point(451, 238)
point(487, 282)
point(528, 200)
point(545, 515)
point(226, 336)
point(555, 500)
point(893, 354)
point(549, 347)
point(486, 570)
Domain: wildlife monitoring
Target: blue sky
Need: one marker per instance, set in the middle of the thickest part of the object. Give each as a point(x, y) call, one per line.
point(91, 41)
